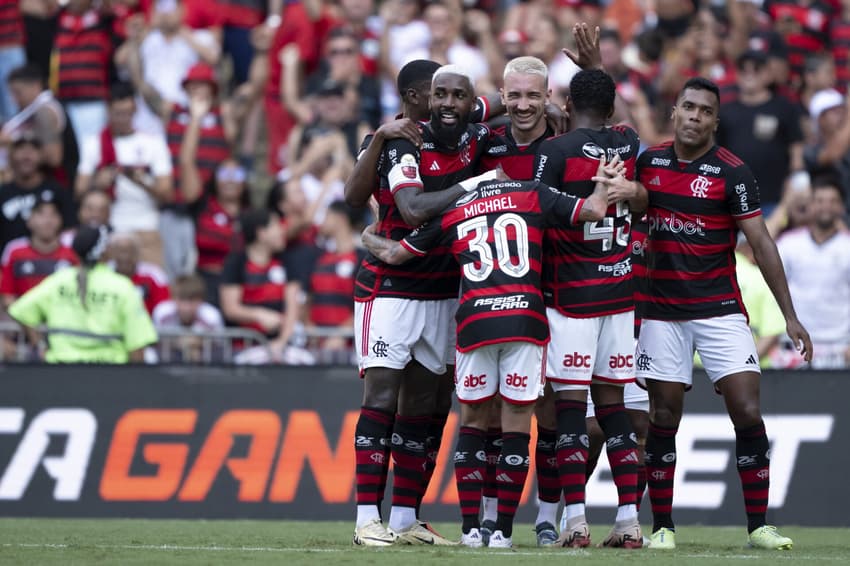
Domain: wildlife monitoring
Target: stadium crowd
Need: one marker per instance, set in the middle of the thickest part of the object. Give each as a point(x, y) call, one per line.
point(215, 138)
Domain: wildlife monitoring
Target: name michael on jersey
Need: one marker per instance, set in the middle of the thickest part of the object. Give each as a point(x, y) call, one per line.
point(488, 206)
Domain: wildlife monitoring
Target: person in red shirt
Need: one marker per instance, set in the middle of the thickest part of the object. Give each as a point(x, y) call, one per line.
point(125, 252)
point(27, 261)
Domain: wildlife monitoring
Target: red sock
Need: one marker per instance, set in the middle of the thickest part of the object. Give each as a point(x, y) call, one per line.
point(546, 462)
point(371, 451)
point(492, 448)
point(408, 452)
point(571, 449)
point(660, 461)
point(752, 448)
point(621, 446)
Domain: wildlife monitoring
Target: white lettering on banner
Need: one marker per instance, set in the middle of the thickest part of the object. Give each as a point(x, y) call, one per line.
point(68, 469)
point(786, 433)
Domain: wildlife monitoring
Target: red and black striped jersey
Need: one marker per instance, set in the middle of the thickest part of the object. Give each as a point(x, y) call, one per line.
point(25, 267)
point(839, 39)
point(516, 160)
point(692, 214)
point(215, 235)
point(724, 75)
point(639, 233)
point(433, 168)
point(11, 24)
point(82, 53)
point(495, 233)
point(152, 284)
point(213, 148)
point(588, 269)
point(331, 288)
point(262, 285)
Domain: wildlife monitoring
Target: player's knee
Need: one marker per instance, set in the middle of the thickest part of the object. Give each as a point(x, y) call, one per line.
point(745, 415)
point(665, 416)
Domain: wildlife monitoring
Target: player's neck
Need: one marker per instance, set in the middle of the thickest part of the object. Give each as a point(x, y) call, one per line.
point(344, 243)
point(690, 153)
point(525, 138)
point(822, 234)
point(258, 253)
point(585, 121)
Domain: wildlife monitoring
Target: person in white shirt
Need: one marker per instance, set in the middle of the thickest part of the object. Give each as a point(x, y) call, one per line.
point(133, 167)
point(188, 312)
point(817, 264)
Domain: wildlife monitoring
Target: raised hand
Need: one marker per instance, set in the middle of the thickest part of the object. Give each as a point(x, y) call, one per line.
point(587, 54)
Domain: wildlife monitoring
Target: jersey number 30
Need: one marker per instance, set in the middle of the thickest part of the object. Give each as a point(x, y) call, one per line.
point(515, 266)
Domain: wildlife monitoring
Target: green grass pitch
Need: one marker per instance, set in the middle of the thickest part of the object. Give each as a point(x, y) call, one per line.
point(187, 543)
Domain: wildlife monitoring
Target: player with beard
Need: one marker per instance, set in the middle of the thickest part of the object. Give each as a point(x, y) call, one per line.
point(404, 328)
point(700, 194)
point(588, 288)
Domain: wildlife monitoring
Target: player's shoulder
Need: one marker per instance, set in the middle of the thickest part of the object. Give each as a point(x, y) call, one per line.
point(727, 159)
point(659, 155)
point(625, 130)
point(396, 149)
point(478, 132)
point(153, 272)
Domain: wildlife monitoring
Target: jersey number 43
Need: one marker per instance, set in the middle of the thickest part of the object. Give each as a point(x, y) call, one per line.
point(604, 229)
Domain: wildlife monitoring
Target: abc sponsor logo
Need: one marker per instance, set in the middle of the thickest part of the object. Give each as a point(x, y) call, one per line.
point(516, 380)
point(576, 360)
point(472, 380)
point(620, 361)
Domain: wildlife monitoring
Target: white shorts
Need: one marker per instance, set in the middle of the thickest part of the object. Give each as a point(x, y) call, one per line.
point(635, 398)
point(666, 348)
point(390, 332)
point(583, 350)
point(513, 369)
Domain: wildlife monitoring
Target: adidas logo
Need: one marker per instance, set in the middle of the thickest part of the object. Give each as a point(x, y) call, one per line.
point(387, 283)
point(631, 457)
point(576, 457)
point(655, 181)
point(474, 476)
point(435, 166)
point(752, 361)
point(504, 478)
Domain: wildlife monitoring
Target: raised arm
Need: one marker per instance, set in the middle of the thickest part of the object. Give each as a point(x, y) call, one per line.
point(417, 207)
point(770, 264)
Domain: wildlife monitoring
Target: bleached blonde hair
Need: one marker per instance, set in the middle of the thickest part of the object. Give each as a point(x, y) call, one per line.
point(452, 70)
point(527, 65)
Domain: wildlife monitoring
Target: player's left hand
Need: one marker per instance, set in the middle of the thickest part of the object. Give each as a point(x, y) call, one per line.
point(557, 118)
point(800, 338)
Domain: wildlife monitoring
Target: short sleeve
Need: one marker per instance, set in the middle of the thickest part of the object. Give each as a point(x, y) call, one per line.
point(138, 328)
point(366, 141)
point(481, 110)
point(233, 272)
point(742, 193)
point(161, 165)
point(402, 163)
point(31, 309)
point(423, 238)
point(559, 209)
point(548, 165)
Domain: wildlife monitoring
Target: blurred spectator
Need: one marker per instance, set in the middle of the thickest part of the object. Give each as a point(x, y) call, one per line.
point(765, 317)
point(803, 25)
point(166, 54)
point(12, 53)
point(238, 18)
point(150, 280)
point(188, 312)
point(818, 74)
point(91, 313)
point(341, 65)
point(216, 216)
point(830, 152)
point(448, 47)
point(256, 292)
point(132, 166)
point(27, 261)
point(794, 210)
point(355, 15)
point(293, 52)
point(297, 214)
point(817, 264)
point(545, 43)
point(404, 31)
point(763, 129)
point(28, 184)
point(40, 19)
point(332, 281)
point(42, 116)
point(81, 65)
point(839, 39)
point(93, 211)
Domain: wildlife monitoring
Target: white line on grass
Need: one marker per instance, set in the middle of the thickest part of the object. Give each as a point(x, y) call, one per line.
point(419, 550)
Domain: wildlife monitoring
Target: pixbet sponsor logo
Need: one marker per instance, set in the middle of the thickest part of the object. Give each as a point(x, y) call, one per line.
point(576, 360)
point(675, 225)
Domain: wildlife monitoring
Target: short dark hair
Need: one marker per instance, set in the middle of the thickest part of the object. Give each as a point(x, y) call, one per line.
point(339, 207)
point(700, 83)
point(416, 74)
point(342, 31)
point(612, 34)
point(757, 58)
point(28, 73)
point(121, 91)
point(593, 90)
point(188, 287)
point(828, 181)
point(252, 222)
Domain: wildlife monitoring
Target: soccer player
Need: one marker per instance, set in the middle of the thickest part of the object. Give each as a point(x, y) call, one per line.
point(496, 235)
point(700, 194)
point(404, 334)
point(587, 284)
point(513, 147)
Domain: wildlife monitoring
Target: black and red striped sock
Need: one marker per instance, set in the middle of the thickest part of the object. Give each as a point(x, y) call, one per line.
point(469, 475)
point(641, 483)
point(492, 447)
point(571, 449)
point(660, 461)
point(408, 452)
point(752, 450)
point(371, 454)
point(546, 462)
point(621, 447)
point(432, 450)
point(513, 471)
